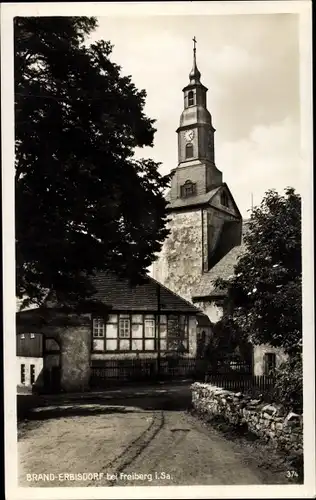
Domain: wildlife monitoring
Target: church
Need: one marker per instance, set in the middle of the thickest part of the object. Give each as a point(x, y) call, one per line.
point(206, 227)
point(205, 223)
point(174, 309)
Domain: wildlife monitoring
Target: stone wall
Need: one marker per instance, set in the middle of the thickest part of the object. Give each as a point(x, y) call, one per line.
point(75, 358)
point(194, 237)
point(268, 421)
point(179, 266)
point(195, 173)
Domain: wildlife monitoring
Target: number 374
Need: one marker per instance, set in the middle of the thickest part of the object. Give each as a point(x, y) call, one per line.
point(291, 473)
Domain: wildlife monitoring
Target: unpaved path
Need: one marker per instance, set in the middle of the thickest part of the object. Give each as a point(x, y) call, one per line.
point(133, 445)
point(186, 453)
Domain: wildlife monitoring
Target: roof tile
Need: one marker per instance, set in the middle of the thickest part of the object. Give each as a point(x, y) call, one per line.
point(119, 295)
point(223, 269)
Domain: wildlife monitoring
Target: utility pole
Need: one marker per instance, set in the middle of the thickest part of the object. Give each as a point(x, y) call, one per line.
point(158, 329)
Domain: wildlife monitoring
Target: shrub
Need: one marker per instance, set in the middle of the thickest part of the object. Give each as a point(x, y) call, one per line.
point(289, 384)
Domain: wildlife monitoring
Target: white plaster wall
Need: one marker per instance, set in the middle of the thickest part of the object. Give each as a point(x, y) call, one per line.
point(258, 357)
point(211, 309)
point(28, 361)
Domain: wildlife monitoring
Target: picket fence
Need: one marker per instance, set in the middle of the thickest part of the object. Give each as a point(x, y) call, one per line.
point(234, 376)
point(246, 383)
point(135, 370)
point(104, 372)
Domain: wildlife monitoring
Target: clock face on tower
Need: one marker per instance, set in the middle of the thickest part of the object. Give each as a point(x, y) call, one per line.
point(189, 135)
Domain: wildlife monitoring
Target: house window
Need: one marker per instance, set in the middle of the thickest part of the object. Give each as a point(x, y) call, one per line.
point(22, 336)
point(269, 363)
point(98, 327)
point(191, 98)
point(177, 333)
point(32, 374)
point(124, 332)
point(22, 374)
point(98, 334)
point(124, 329)
point(224, 199)
point(149, 332)
point(149, 328)
point(139, 332)
point(32, 335)
point(189, 150)
point(111, 340)
point(188, 189)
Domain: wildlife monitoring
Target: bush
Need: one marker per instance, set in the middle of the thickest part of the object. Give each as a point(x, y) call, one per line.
point(289, 384)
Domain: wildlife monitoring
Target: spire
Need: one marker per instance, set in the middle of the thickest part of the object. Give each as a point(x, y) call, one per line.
point(194, 75)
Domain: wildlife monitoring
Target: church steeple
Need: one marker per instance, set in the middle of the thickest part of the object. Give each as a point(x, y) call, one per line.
point(196, 158)
point(194, 75)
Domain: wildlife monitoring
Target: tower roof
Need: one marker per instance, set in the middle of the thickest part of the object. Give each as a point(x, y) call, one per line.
point(195, 74)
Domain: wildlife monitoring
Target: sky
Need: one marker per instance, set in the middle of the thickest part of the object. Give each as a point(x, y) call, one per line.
point(249, 63)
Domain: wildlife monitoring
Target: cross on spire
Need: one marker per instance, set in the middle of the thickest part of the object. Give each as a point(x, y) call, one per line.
point(194, 74)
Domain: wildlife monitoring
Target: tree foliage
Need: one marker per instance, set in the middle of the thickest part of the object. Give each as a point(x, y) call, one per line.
point(289, 383)
point(227, 341)
point(83, 202)
point(265, 290)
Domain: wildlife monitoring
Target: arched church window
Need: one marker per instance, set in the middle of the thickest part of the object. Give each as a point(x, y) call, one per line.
point(191, 98)
point(224, 199)
point(188, 189)
point(189, 150)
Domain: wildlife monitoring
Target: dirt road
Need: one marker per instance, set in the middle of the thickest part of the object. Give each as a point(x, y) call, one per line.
point(146, 440)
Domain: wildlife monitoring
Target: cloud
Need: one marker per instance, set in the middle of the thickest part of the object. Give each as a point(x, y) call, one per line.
point(233, 60)
point(268, 159)
point(250, 65)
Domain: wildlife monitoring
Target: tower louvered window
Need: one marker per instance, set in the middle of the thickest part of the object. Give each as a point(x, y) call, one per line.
point(189, 151)
point(191, 98)
point(224, 199)
point(188, 189)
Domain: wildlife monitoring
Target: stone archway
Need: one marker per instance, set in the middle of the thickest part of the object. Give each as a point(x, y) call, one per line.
point(51, 364)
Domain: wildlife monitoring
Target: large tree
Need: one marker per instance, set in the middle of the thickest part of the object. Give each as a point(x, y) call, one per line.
point(83, 202)
point(265, 291)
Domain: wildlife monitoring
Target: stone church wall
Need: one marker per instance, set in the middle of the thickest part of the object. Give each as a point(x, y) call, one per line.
point(197, 175)
point(179, 265)
point(186, 252)
point(182, 143)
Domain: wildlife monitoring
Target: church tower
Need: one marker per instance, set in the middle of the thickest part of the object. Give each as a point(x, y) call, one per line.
point(205, 222)
point(196, 158)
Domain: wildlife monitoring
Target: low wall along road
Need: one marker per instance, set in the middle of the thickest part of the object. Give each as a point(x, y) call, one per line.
point(266, 421)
